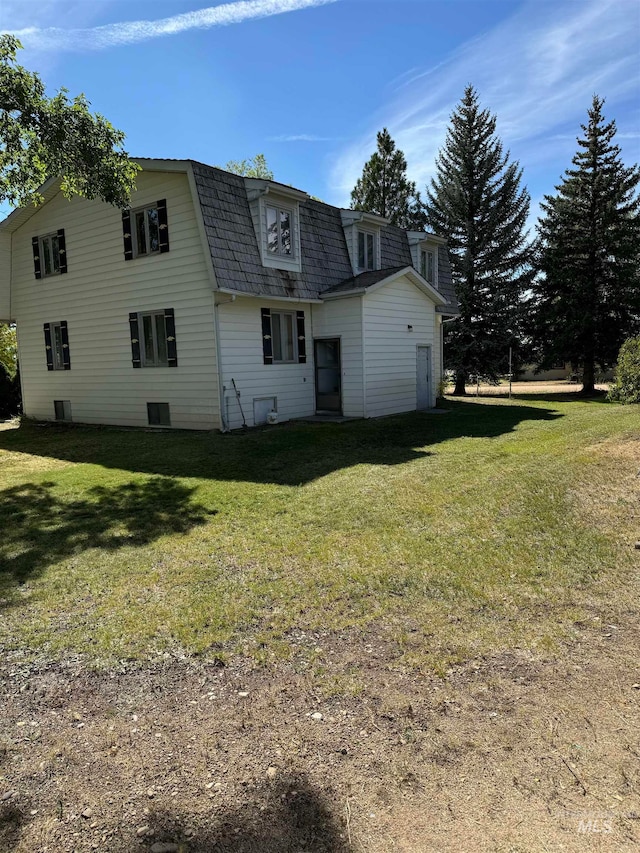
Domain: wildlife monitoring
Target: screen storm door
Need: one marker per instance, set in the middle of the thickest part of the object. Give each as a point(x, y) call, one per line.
point(328, 375)
point(423, 378)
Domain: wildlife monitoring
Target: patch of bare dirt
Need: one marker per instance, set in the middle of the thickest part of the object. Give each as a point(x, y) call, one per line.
point(509, 754)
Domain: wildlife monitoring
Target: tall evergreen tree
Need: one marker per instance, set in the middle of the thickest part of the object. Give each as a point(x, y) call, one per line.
point(384, 188)
point(477, 203)
point(588, 297)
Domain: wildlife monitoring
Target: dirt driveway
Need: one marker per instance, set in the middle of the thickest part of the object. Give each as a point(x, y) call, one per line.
point(511, 754)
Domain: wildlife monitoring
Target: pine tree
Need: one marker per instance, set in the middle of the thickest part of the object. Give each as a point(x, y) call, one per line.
point(476, 202)
point(384, 188)
point(588, 297)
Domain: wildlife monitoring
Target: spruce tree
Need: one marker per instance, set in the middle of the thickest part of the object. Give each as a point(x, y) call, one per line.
point(588, 296)
point(384, 188)
point(477, 203)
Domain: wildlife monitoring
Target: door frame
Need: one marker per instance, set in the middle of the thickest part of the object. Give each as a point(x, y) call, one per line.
point(316, 340)
point(429, 349)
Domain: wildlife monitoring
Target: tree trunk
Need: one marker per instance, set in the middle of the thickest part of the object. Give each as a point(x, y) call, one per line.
point(588, 377)
point(459, 390)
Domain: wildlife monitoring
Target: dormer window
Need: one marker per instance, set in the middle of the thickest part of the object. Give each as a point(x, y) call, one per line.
point(362, 234)
point(424, 254)
point(427, 265)
point(275, 211)
point(279, 224)
point(366, 251)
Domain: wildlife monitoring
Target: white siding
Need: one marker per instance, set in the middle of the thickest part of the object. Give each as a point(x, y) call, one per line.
point(95, 298)
point(241, 358)
point(390, 347)
point(342, 318)
point(5, 277)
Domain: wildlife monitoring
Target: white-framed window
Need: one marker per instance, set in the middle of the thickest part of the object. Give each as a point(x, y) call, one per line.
point(283, 335)
point(50, 254)
point(153, 339)
point(146, 230)
point(367, 253)
point(279, 230)
point(57, 346)
point(427, 265)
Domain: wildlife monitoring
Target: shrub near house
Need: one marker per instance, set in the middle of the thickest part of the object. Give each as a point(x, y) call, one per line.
point(626, 388)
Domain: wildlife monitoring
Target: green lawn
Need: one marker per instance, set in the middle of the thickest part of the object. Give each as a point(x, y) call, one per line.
point(453, 534)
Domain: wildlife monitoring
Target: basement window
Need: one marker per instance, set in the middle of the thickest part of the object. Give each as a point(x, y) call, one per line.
point(62, 409)
point(158, 414)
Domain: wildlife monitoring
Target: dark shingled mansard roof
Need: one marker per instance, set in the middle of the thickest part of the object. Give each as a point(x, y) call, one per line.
point(325, 258)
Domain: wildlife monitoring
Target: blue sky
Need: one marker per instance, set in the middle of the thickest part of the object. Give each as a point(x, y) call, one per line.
point(309, 82)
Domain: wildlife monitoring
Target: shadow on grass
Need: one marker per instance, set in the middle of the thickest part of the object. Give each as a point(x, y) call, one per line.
point(289, 816)
point(12, 819)
point(39, 528)
point(541, 396)
point(290, 454)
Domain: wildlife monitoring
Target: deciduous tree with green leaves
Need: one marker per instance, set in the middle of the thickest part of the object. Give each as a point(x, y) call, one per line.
point(42, 137)
point(476, 201)
point(252, 168)
point(385, 189)
point(588, 296)
point(8, 348)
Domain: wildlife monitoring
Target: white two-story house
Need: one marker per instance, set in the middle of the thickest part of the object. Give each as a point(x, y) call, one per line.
point(217, 300)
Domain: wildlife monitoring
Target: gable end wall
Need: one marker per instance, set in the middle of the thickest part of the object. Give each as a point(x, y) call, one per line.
point(96, 296)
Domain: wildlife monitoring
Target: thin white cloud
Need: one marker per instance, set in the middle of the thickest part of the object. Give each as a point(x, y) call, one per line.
point(303, 137)
point(133, 32)
point(537, 71)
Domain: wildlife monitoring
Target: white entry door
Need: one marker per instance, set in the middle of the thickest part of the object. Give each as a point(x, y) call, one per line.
point(423, 378)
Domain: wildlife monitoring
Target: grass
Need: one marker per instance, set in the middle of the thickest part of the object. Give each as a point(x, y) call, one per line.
point(449, 536)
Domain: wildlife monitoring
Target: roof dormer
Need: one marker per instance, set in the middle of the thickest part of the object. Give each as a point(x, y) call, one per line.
point(275, 210)
point(362, 233)
point(424, 254)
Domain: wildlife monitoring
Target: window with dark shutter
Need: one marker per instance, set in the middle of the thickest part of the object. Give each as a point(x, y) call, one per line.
point(64, 337)
point(267, 343)
point(135, 340)
point(49, 254)
point(62, 251)
point(302, 339)
point(170, 330)
point(163, 225)
point(56, 343)
point(48, 347)
point(126, 236)
point(37, 268)
point(153, 338)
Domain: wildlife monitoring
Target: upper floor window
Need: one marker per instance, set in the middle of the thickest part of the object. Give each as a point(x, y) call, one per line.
point(49, 254)
point(279, 226)
point(145, 230)
point(427, 265)
point(366, 250)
